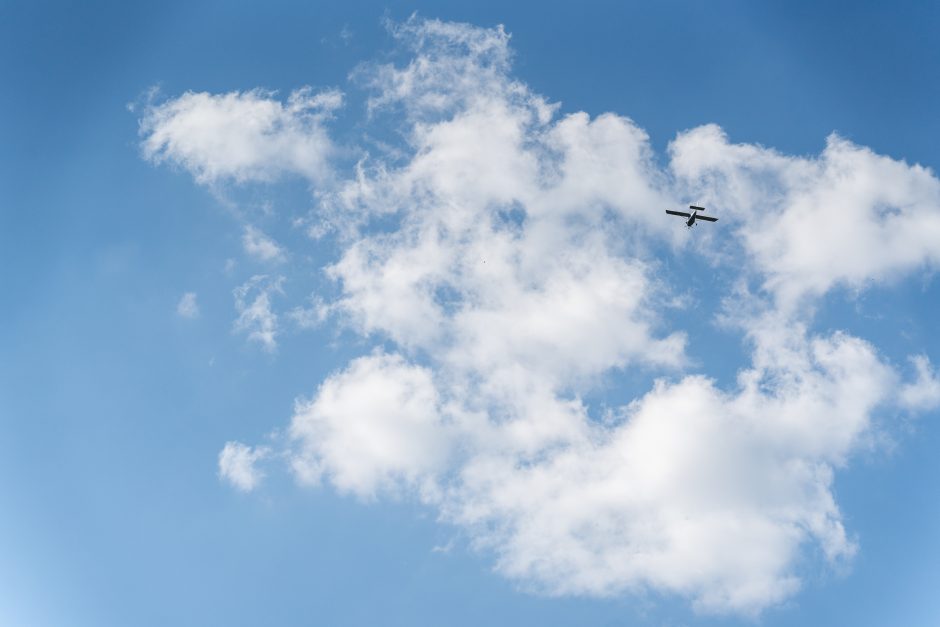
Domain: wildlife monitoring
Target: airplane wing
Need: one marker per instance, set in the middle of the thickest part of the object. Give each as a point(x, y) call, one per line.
point(706, 218)
point(679, 213)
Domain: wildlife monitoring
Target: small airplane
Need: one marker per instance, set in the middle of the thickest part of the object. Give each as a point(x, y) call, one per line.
point(692, 217)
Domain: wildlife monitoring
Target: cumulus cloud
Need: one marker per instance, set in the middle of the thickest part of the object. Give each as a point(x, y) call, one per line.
point(256, 317)
point(846, 217)
point(694, 490)
point(238, 465)
point(384, 411)
point(436, 80)
point(518, 270)
point(262, 247)
point(242, 136)
point(187, 307)
point(507, 261)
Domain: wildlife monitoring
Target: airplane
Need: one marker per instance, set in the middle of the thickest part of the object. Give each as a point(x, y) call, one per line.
point(692, 217)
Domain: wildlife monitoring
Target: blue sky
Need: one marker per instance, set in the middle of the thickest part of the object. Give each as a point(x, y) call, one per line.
point(461, 447)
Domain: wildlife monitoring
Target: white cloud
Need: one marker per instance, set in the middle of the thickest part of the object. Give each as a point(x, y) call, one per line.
point(374, 425)
point(238, 465)
point(521, 271)
point(452, 65)
point(514, 227)
point(256, 317)
point(242, 136)
point(695, 491)
point(188, 307)
point(262, 247)
point(844, 218)
point(515, 264)
point(924, 393)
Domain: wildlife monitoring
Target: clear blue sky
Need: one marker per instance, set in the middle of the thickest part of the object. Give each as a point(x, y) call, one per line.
point(115, 404)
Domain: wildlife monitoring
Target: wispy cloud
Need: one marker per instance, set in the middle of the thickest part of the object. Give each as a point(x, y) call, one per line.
point(262, 247)
point(256, 317)
point(923, 393)
point(187, 307)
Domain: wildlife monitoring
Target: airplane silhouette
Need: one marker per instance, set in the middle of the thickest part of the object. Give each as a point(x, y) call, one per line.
point(692, 217)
